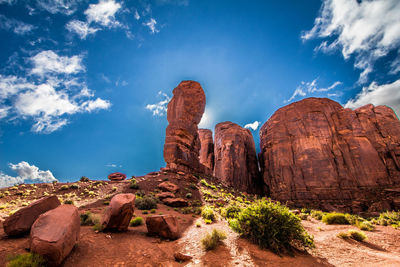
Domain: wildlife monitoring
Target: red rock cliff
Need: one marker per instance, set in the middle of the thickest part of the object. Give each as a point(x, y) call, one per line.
point(182, 144)
point(235, 157)
point(207, 149)
point(315, 152)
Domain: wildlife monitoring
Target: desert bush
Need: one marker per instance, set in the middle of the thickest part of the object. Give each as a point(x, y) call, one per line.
point(357, 235)
point(106, 203)
point(1, 195)
point(136, 221)
point(189, 195)
point(74, 186)
point(343, 235)
point(84, 179)
point(26, 260)
point(317, 214)
point(335, 218)
point(98, 227)
point(64, 187)
point(207, 213)
point(211, 241)
point(146, 202)
point(365, 226)
point(271, 225)
point(153, 211)
point(204, 182)
point(231, 211)
point(88, 218)
point(134, 184)
point(388, 218)
point(69, 201)
point(198, 224)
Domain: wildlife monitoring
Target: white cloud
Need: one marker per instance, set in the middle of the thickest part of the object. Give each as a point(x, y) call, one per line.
point(312, 87)
point(66, 7)
point(366, 29)
point(103, 13)
point(81, 28)
point(112, 165)
point(10, 2)
point(25, 172)
point(152, 25)
point(18, 27)
point(49, 62)
point(253, 126)
point(160, 108)
point(385, 94)
point(136, 15)
point(50, 100)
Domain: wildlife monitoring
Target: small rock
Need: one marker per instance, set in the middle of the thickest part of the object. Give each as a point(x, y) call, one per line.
point(117, 176)
point(168, 186)
point(175, 202)
point(182, 257)
point(163, 195)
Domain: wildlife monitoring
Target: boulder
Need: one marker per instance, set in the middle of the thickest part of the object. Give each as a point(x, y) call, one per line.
point(206, 149)
point(175, 202)
point(117, 176)
point(119, 212)
point(168, 186)
point(182, 143)
point(55, 233)
point(235, 158)
point(315, 152)
point(21, 221)
point(163, 195)
point(180, 257)
point(165, 226)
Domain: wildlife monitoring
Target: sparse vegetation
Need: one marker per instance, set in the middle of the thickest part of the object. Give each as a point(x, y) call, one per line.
point(207, 213)
point(189, 195)
point(69, 201)
point(134, 184)
point(26, 260)
point(64, 187)
point(106, 203)
point(353, 234)
point(84, 179)
point(365, 226)
point(211, 241)
point(335, 218)
point(89, 218)
point(271, 225)
point(198, 224)
point(388, 218)
point(98, 227)
point(317, 214)
point(74, 186)
point(136, 221)
point(146, 202)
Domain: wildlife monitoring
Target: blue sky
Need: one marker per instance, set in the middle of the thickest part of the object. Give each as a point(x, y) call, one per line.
point(84, 84)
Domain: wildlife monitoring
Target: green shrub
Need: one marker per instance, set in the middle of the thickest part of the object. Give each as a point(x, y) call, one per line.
point(317, 214)
point(231, 211)
point(136, 221)
point(388, 218)
point(335, 218)
point(211, 241)
point(134, 184)
point(189, 195)
point(1, 195)
point(69, 201)
point(342, 235)
point(207, 213)
point(74, 186)
point(153, 211)
point(271, 225)
point(64, 187)
point(26, 260)
point(84, 179)
point(146, 203)
point(145, 212)
point(204, 182)
point(365, 226)
point(88, 218)
point(98, 227)
point(208, 221)
point(198, 224)
point(357, 235)
point(353, 219)
point(106, 203)
point(114, 188)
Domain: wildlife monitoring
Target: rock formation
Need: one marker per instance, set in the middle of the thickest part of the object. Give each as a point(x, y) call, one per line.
point(165, 226)
point(119, 213)
point(55, 233)
point(182, 144)
point(206, 149)
point(315, 152)
point(21, 221)
point(117, 176)
point(235, 158)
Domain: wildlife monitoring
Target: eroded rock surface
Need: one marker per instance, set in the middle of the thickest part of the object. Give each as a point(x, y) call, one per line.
point(55, 233)
point(206, 149)
point(165, 226)
point(236, 158)
point(182, 143)
point(21, 221)
point(119, 213)
point(316, 152)
point(117, 176)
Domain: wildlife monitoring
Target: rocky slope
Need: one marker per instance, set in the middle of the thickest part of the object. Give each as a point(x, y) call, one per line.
point(315, 152)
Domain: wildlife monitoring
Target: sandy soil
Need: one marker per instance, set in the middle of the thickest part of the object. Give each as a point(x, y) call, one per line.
point(135, 248)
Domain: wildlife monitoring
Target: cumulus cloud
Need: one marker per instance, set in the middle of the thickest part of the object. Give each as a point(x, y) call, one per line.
point(367, 30)
point(160, 108)
point(136, 15)
point(385, 94)
point(103, 13)
point(25, 173)
point(152, 25)
point(49, 100)
point(312, 87)
point(16, 26)
point(82, 29)
point(112, 165)
point(253, 126)
point(66, 7)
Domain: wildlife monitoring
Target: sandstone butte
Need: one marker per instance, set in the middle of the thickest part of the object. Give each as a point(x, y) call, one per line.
point(313, 152)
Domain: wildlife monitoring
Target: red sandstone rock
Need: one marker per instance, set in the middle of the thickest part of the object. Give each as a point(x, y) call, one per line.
point(117, 176)
point(119, 213)
point(21, 221)
point(182, 144)
point(175, 202)
point(168, 186)
point(316, 152)
point(180, 257)
point(206, 149)
point(164, 226)
point(163, 195)
point(235, 158)
point(55, 233)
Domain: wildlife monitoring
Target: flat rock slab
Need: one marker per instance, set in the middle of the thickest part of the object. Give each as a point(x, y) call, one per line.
point(165, 226)
point(55, 233)
point(175, 202)
point(168, 186)
point(21, 221)
point(119, 213)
